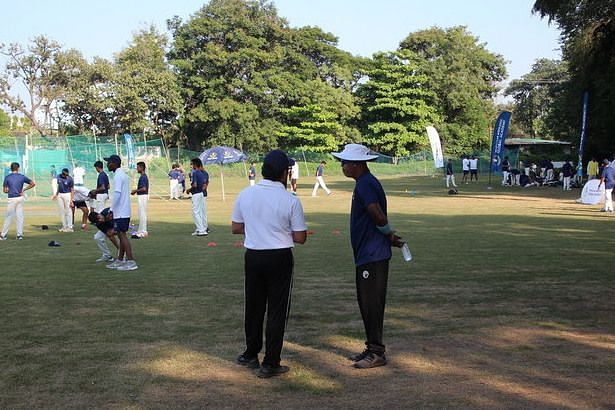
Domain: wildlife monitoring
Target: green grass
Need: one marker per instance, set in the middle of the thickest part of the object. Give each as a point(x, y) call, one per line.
point(508, 303)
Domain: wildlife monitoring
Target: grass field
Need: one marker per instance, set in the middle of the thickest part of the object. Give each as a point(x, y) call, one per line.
point(509, 303)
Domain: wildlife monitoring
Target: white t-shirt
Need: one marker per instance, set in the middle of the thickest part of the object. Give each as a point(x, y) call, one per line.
point(465, 164)
point(78, 174)
point(120, 204)
point(80, 193)
point(473, 164)
point(270, 215)
point(295, 171)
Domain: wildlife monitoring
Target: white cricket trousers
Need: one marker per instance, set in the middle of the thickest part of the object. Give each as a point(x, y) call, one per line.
point(320, 181)
point(14, 209)
point(66, 213)
point(199, 212)
point(174, 187)
point(101, 202)
point(450, 179)
point(608, 199)
point(54, 186)
point(252, 182)
point(566, 183)
point(142, 213)
point(101, 242)
point(505, 175)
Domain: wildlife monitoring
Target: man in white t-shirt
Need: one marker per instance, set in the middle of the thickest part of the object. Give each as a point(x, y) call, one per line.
point(465, 167)
point(272, 221)
point(78, 175)
point(294, 175)
point(120, 206)
point(474, 168)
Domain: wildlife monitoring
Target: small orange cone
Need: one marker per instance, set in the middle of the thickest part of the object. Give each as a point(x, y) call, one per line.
point(212, 244)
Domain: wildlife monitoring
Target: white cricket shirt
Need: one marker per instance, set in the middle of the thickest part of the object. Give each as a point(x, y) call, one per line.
point(120, 203)
point(270, 215)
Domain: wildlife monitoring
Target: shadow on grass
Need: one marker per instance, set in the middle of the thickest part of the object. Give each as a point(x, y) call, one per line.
point(495, 311)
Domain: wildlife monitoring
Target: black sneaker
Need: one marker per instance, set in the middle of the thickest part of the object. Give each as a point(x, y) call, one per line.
point(269, 371)
point(371, 360)
point(358, 356)
point(249, 362)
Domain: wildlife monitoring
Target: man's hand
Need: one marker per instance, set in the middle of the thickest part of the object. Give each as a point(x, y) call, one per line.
point(134, 191)
point(396, 240)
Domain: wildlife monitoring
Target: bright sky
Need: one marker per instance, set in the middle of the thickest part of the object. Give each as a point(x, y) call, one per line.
point(102, 28)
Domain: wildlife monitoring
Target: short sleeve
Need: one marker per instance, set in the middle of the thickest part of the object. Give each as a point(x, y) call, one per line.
point(237, 216)
point(366, 193)
point(297, 218)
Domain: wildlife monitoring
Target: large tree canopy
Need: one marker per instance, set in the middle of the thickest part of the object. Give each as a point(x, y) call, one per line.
point(464, 76)
point(588, 35)
point(241, 67)
point(537, 96)
point(396, 104)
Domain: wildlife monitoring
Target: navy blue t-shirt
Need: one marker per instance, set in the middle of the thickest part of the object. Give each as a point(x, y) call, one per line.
point(65, 184)
point(15, 182)
point(199, 178)
point(102, 180)
point(106, 225)
point(608, 173)
point(143, 183)
point(368, 244)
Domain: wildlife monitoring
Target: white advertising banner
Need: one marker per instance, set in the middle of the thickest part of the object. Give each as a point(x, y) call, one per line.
point(436, 147)
point(592, 194)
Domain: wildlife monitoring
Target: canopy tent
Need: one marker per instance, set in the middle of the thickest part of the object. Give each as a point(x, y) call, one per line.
point(516, 145)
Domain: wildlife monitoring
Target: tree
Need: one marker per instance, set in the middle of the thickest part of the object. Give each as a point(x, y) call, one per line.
point(310, 128)
point(536, 97)
point(464, 76)
point(240, 67)
point(396, 104)
point(145, 90)
point(588, 37)
point(5, 123)
point(39, 70)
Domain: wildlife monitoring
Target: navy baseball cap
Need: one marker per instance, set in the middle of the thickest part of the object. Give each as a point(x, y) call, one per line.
point(65, 171)
point(275, 163)
point(114, 158)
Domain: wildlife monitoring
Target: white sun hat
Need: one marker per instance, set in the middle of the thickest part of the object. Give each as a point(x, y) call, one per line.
point(355, 152)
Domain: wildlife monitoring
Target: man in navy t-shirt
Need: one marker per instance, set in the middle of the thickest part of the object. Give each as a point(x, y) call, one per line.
point(142, 193)
point(104, 223)
point(371, 238)
point(102, 187)
point(13, 186)
point(198, 189)
point(64, 196)
point(608, 179)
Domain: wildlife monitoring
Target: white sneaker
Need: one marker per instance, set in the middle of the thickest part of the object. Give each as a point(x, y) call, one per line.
point(105, 258)
point(115, 264)
point(128, 265)
point(3, 238)
point(197, 233)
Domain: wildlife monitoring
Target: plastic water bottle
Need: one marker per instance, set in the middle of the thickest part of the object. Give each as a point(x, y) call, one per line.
point(405, 251)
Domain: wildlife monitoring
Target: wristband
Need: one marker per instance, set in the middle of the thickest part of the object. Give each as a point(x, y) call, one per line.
point(385, 230)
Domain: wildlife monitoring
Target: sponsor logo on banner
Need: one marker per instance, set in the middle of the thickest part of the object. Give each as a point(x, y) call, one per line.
point(592, 193)
point(130, 151)
point(497, 144)
point(436, 147)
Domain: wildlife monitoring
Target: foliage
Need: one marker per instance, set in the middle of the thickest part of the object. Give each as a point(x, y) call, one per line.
point(396, 104)
point(41, 70)
point(536, 96)
point(138, 92)
point(240, 66)
point(464, 76)
point(588, 36)
point(5, 123)
point(309, 128)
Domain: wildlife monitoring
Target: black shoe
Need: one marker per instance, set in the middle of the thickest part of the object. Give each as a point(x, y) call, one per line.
point(359, 356)
point(249, 362)
point(371, 360)
point(269, 371)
